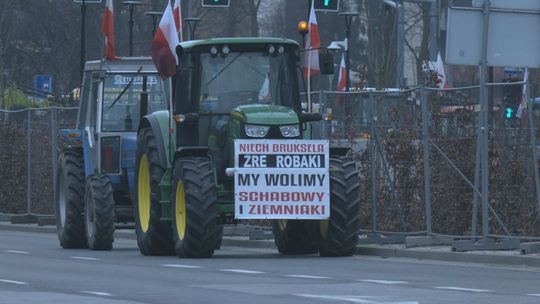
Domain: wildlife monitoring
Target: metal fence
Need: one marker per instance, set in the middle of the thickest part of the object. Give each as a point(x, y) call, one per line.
point(418, 160)
point(417, 153)
point(29, 141)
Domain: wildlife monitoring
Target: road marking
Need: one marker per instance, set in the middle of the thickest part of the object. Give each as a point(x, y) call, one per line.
point(242, 271)
point(462, 289)
point(355, 299)
point(533, 294)
point(17, 251)
point(386, 282)
point(97, 293)
point(14, 282)
point(301, 276)
point(181, 266)
point(84, 258)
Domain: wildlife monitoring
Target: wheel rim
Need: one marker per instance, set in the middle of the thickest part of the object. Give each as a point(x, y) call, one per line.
point(180, 210)
point(61, 199)
point(89, 214)
point(323, 227)
point(143, 195)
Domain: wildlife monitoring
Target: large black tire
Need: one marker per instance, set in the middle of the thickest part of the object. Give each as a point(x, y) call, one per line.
point(296, 236)
point(339, 234)
point(196, 232)
point(99, 212)
point(69, 199)
point(154, 237)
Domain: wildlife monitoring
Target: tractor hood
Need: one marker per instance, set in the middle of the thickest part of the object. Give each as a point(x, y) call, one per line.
point(265, 115)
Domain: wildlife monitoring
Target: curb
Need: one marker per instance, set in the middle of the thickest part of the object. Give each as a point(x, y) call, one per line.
point(438, 254)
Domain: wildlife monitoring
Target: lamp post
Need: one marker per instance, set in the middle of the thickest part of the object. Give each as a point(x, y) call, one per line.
point(154, 16)
point(83, 30)
point(348, 21)
point(192, 25)
point(131, 5)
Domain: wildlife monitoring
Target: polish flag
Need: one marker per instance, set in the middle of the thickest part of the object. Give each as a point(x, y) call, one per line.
point(107, 28)
point(342, 80)
point(163, 49)
point(443, 84)
point(177, 13)
point(310, 62)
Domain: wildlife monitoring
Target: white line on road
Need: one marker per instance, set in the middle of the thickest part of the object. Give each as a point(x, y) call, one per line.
point(97, 293)
point(242, 271)
point(181, 266)
point(84, 258)
point(386, 282)
point(301, 276)
point(533, 294)
point(17, 251)
point(354, 299)
point(14, 282)
point(462, 289)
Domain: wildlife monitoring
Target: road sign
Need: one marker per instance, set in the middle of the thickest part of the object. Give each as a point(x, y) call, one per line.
point(511, 37)
point(215, 3)
point(43, 84)
point(326, 5)
point(87, 1)
point(514, 4)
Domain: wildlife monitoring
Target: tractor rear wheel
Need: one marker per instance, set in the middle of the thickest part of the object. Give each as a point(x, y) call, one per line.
point(196, 232)
point(339, 234)
point(296, 236)
point(99, 212)
point(153, 235)
point(69, 199)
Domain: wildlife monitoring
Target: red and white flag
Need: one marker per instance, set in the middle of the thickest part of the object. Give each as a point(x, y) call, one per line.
point(310, 62)
point(107, 28)
point(163, 49)
point(342, 80)
point(439, 68)
point(177, 13)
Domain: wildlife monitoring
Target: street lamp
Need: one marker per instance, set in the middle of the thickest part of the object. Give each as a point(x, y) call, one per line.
point(83, 30)
point(131, 5)
point(154, 16)
point(348, 21)
point(192, 25)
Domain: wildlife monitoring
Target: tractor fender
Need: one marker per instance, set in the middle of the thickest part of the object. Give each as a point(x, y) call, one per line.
point(339, 151)
point(152, 121)
point(191, 151)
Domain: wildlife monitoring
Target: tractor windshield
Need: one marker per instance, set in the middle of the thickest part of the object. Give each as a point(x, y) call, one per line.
point(121, 97)
point(246, 78)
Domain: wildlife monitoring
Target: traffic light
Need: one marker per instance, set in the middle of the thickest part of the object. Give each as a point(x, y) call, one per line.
point(512, 96)
point(215, 3)
point(326, 5)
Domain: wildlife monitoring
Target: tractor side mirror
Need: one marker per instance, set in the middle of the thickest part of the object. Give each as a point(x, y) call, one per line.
point(326, 63)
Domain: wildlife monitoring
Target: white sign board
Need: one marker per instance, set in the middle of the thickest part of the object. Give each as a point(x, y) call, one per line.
point(513, 4)
point(512, 38)
point(281, 179)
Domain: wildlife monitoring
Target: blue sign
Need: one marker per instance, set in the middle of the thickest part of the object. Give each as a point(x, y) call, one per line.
point(43, 85)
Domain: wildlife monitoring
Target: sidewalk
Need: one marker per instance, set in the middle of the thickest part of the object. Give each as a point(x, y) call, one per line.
point(239, 236)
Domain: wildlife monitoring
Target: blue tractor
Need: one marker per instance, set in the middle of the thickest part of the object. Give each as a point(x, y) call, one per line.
point(95, 174)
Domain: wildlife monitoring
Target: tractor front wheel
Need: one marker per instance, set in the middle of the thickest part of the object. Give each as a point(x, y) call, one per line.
point(99, 212)
point(69, 199)
point(196, 232)
point(339, 234)
point(153, 235)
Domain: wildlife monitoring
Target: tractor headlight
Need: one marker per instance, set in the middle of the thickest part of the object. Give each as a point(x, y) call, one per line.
point(256, 131)
point(290, 131)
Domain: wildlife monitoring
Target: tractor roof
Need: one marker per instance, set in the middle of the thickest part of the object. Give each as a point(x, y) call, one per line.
point(122, 65)
point(244, 40)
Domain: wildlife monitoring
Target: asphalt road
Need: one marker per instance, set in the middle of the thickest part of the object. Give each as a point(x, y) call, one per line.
point(34, 269)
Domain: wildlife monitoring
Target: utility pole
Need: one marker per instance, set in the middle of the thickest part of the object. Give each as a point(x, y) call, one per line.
point(83, 37)
point(400, 43)
point(348, 21)
point(131, 5)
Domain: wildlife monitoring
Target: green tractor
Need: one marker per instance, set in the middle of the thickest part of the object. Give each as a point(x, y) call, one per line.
point(228, 91)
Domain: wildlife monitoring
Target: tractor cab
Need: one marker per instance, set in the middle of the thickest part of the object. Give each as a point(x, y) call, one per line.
point(237, 88)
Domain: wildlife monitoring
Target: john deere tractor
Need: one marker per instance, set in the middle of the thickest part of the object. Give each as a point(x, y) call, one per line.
point(225, 91)
point(96, 172)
